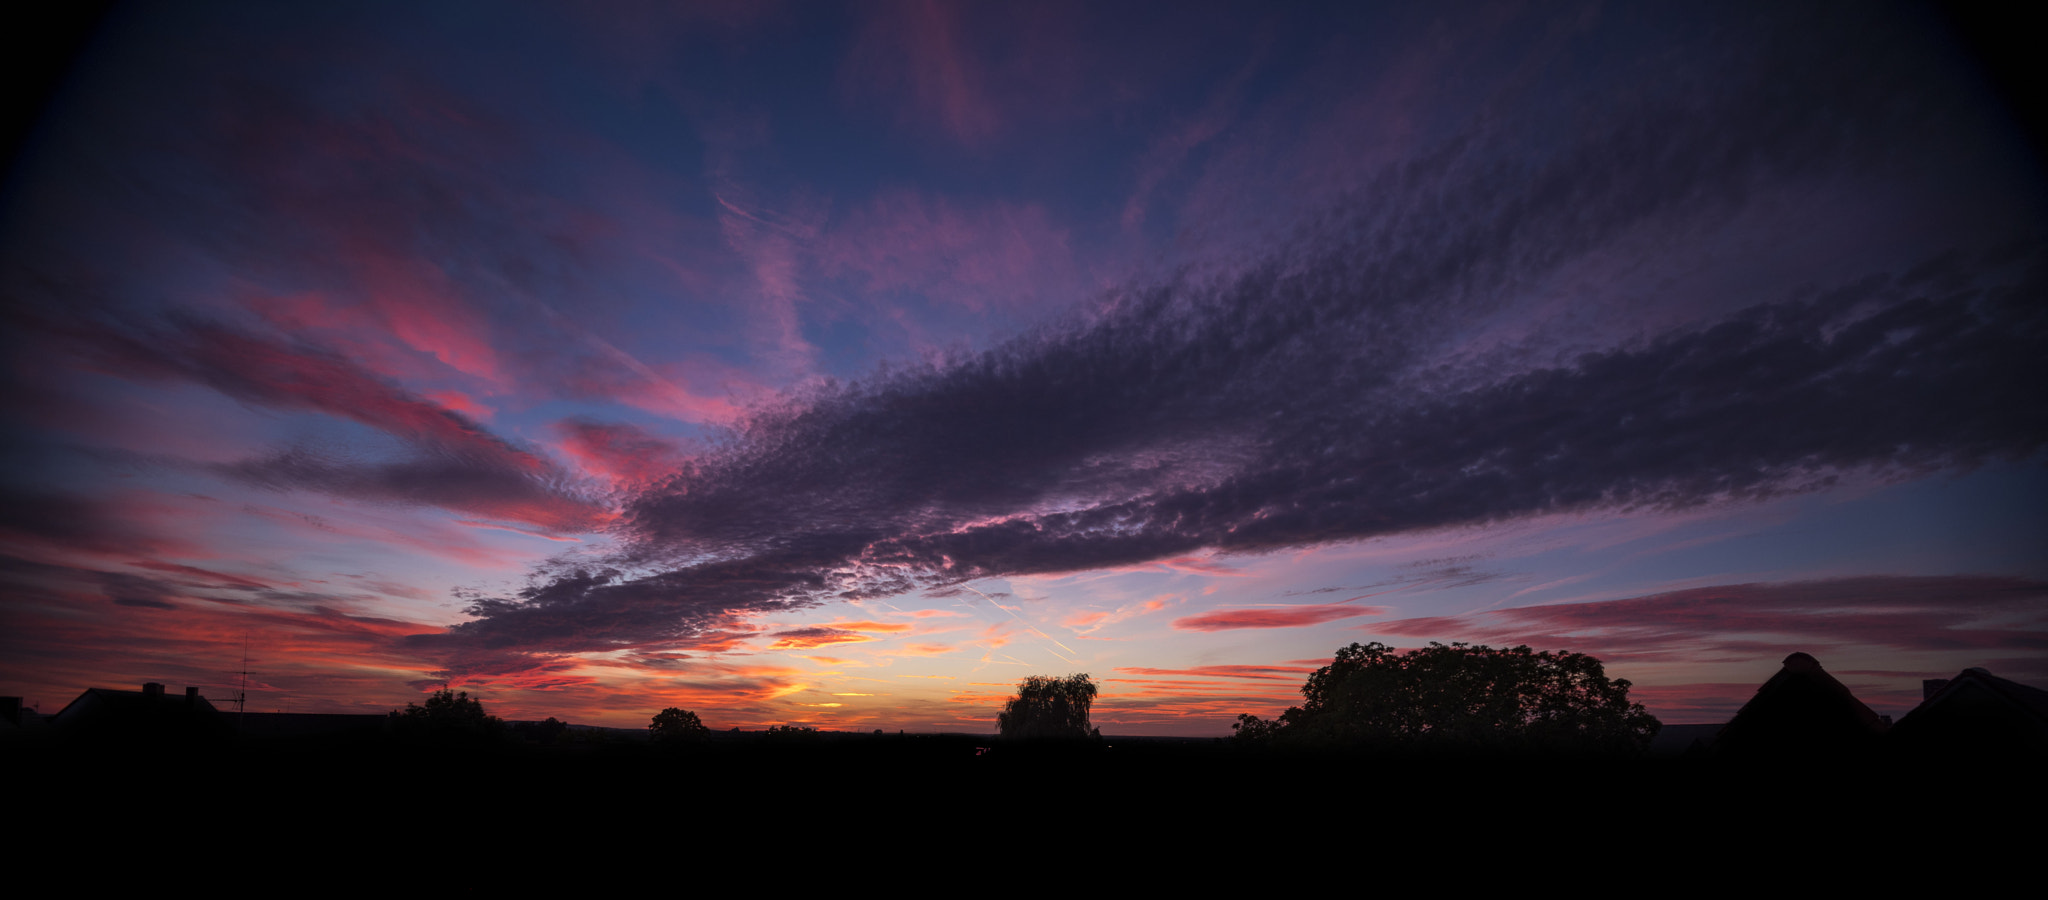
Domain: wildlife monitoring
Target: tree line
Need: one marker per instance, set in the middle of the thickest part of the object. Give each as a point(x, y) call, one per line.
point(1443, 698)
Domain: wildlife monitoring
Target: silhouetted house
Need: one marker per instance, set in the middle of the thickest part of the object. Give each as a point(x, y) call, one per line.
point(17, 719)
point(1801, 711)
point(1976, 713)
point(303, 725)
point(1685, 740)
point(148, 714)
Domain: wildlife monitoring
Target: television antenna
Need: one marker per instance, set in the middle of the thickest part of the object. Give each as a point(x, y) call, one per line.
point(242, 695)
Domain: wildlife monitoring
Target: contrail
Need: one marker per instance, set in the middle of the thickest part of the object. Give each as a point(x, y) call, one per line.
point(1032, 628)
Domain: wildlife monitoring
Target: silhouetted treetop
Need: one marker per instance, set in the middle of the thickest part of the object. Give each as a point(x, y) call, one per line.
point(785, 733)
point(1049, 707)
point(1460, 696)
point(448, 714)
point(673, 725)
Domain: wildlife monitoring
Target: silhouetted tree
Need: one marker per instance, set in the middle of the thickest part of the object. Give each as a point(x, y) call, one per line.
point(1461, 697)
point(673, 725)
point(791, 733)
point(448, 714)
point(1049, 707)
point(552, 729)
point(546, 732)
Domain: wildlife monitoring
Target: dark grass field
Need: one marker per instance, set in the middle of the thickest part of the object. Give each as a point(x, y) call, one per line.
point(739, 787)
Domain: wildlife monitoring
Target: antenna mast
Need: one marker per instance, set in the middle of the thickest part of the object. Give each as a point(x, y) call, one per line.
point(242, 696)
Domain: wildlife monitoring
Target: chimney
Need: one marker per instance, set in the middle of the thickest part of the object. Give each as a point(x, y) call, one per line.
point(191, 696)
point(1931, 686)
point(154, 691)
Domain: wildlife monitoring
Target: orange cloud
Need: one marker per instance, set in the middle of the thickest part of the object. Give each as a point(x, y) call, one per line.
point(928, 649)
point(978, 698)
point(868, 626)
point(808, 638)
point(1090, 621)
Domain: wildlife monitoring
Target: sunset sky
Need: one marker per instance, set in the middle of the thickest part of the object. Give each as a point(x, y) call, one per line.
point(842, 364)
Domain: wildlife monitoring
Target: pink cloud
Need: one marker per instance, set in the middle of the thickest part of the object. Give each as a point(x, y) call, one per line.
point(124, 526)
point(461, 403)
point(775, 246)
point(408, 534)
point(1278, 617)
point(916, 53)
point(680, 390)
point(193, 576)
point(1169, 152)
point(1094, 619)
point(995, 255)
point(154, 530)
point(320, 659)
point(626, 455)
point(494, 526)
point(1292, 674)
point(1197, 565)
point(423, 286)
point(279, 374)
point(419, 308)
point(459, 465)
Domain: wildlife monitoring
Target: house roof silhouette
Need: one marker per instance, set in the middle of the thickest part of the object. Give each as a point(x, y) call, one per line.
point(1800, 711)
point(1977, 713)
point(149, 712)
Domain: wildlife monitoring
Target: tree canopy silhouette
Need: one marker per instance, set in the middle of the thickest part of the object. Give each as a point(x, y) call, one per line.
point(673, 725)
point(791, 733)
point(448, 714)
point(1461, 697)
point(1049, 707)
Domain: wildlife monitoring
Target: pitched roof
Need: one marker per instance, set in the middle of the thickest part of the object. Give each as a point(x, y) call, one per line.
point(1979, 712)
point(150, 710)
point(1800, 710)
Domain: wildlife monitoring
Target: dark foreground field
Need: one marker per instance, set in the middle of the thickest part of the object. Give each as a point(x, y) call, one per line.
point(336, 798)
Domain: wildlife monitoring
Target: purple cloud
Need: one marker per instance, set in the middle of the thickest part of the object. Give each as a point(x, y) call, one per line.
point(1979, 613)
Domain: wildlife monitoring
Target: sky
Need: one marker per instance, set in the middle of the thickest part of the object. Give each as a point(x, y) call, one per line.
point(843, 364)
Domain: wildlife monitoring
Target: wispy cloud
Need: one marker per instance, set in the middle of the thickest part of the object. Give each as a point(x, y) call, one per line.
point(1978, 614)
point(393, 282)
point(916, 52)
point(1292, 674)
point(811, 638)
point(1274, 617)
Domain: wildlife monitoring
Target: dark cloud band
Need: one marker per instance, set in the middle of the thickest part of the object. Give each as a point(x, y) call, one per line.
point(1321, 393)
